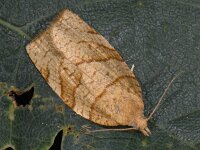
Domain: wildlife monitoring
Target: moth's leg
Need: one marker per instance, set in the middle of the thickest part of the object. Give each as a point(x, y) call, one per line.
point(133, 66)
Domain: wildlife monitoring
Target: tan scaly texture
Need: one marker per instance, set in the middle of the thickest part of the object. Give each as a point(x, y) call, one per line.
point(87, 73)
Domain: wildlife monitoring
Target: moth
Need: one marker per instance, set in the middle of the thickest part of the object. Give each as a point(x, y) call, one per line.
point(88, 74)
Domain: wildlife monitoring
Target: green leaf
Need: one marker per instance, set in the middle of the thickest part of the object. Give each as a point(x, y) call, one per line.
point(161, 38)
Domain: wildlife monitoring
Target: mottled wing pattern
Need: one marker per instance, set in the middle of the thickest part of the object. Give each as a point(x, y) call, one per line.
point(84, 69)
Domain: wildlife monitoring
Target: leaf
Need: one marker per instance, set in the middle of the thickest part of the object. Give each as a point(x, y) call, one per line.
point(161, 38)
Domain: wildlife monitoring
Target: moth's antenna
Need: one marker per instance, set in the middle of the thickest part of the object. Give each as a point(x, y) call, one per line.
point(164, 93)
point(88, 131)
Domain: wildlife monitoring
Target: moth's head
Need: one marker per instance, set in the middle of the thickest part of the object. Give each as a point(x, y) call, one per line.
point(142, 126)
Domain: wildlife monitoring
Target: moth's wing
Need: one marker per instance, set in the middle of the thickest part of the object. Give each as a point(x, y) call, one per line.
point(82, 44)
point(80, 66)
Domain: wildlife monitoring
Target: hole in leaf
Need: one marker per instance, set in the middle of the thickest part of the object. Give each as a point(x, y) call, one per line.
point(57, 142)
point(9, 148)
point(69, 129)
point(22, 97)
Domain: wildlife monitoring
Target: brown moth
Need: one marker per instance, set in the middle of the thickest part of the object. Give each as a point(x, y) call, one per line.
point(88, 74)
